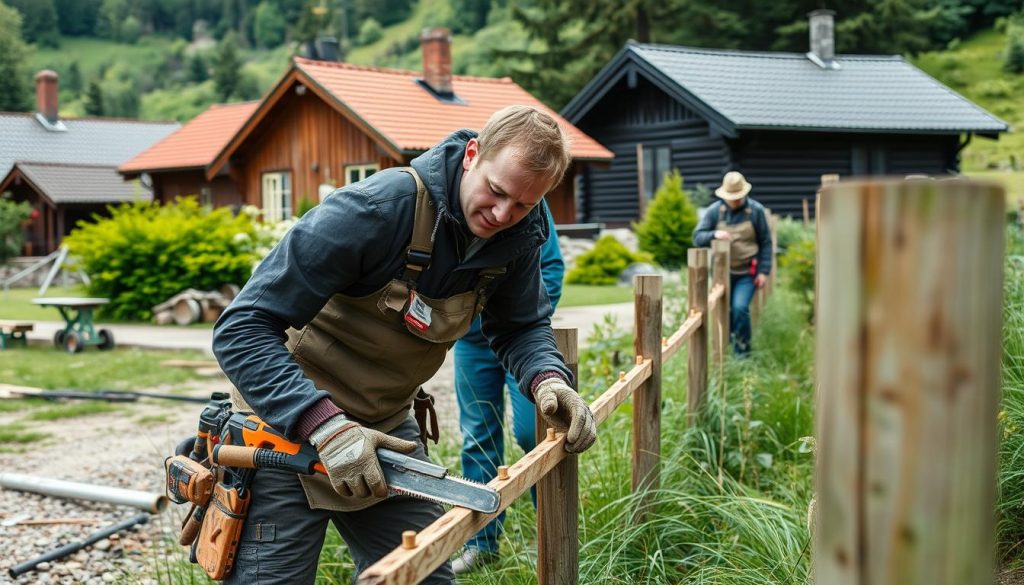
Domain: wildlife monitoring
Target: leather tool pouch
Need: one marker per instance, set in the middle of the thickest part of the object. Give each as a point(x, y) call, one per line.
point(222, 528)
point(188, 481)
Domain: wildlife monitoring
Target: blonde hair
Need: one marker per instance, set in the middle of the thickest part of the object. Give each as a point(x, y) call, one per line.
point(543, 146)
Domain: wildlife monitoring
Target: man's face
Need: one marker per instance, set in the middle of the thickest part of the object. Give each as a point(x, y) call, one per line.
point(735, 203)
point(497, 193)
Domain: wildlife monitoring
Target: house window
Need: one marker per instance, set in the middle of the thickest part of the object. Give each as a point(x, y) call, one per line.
point(356, 173)
point(657, 162)
point(277, 196)
point(205, 197)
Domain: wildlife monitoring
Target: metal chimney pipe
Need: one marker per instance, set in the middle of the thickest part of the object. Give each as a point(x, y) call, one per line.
point(822, 31)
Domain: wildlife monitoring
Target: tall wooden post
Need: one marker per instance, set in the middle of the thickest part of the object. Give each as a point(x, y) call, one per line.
point(908, 358)
point(697, 368)
point(720, 320)
point(558, 547)
point(647, 399)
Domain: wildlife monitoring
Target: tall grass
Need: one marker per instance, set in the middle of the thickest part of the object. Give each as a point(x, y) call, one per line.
point(1011, 450)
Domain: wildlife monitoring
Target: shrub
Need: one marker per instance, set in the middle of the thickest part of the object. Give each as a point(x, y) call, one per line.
point(11, 215)
point(369, 32)
point(145, 253)
point(790, 231)
point(1013, 58)
point(667, 228)
point(798, 262)
point(603, 263)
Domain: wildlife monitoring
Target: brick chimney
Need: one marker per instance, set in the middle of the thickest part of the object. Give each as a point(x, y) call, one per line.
point(437, 59)
point(46, 95)
point(823, 41)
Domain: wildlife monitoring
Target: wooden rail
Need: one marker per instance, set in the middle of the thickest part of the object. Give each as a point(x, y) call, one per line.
point(553, 470)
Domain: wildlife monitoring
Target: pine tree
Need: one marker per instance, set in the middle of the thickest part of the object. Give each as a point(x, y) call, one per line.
point(94, 99)
point(13, 54)
point(226, 67)
point(74, 81)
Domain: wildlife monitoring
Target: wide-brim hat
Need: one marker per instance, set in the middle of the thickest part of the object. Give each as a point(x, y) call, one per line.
point(734, 186)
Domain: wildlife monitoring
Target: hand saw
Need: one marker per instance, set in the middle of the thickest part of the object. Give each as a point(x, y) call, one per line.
point(255, 445)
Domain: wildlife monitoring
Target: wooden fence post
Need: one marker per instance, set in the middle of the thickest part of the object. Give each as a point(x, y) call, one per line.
point(558, 547)
point(908, 362)
point(697, 368)
point(720, 322)
point(647, 292)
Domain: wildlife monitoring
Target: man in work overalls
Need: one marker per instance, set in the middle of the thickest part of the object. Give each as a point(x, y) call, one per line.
point(741, 221)
point(357, 306)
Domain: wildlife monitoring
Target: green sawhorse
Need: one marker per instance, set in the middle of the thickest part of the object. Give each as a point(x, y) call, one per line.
point(14, 332)
point(78, 330)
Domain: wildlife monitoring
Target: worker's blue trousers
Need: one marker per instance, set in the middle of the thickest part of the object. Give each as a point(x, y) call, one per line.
point(480, 387)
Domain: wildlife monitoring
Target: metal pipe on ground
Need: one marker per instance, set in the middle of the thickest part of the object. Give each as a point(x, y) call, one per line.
point(147, 501)
point(73, 547)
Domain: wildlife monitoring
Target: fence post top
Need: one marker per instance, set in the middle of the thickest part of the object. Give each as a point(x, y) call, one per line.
point(697, 257)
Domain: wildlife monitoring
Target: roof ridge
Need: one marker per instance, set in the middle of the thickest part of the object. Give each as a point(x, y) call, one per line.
point(761, 54)
point(63, 164)
point(393, 71)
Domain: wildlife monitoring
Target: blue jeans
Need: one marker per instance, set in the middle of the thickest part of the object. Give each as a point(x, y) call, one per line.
point(739, 312)
point(480, 388)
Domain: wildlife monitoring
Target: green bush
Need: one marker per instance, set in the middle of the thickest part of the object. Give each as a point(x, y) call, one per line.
point(145, 253)
point(369, 32)
point(798, 263)
point(1013, 56)
point(603, 263)
point(667, 228)
point(11, 215)
point(790, 231)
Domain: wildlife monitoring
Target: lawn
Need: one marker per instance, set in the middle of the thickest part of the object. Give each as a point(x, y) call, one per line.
point(16, 303)
point(582, 295)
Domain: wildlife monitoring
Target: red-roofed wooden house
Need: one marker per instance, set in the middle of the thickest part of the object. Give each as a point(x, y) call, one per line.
point(176, 166)
point(326, 124)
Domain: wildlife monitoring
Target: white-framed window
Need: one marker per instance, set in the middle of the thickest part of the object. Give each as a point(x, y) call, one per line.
point(277, 196)
point(356, 173)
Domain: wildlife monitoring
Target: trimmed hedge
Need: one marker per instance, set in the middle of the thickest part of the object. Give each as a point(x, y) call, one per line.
point(604, 262)
point(145, 253)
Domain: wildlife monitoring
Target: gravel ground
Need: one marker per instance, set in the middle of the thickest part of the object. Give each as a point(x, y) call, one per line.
point(124, 449)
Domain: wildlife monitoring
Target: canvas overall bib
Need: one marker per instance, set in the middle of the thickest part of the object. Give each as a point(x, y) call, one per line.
point(372, 353)
point(743, 242)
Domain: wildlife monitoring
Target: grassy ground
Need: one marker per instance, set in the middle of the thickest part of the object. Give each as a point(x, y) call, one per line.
point(123, 368)
point(16, 303)
point(581, 295)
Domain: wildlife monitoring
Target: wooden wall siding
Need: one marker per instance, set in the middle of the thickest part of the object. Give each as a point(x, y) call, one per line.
point(644, 114)
point(167, 186)
point(786, 167)
point(562, 199)
point(300, 132)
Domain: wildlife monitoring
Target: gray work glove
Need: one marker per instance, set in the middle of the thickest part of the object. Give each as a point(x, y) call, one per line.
point(563, 408)
point(349, 452)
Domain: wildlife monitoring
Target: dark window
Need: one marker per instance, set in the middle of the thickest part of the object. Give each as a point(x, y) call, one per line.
point(657, 162)
point(868, 160)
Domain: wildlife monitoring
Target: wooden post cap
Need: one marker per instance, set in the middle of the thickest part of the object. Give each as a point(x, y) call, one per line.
point(664, 341)
point(639, 360)
point(622, 376)
point(551, 434)
point(409, 539)
point(503, 472)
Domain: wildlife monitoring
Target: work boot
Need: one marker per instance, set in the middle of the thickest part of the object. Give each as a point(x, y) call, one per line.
point(471, 559)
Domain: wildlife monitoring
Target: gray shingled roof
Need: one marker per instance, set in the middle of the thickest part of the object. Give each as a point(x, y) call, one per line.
point(90, 141)
point(63, 183)
point(788, 91)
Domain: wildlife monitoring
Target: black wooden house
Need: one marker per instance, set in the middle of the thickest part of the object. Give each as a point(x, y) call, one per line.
point(782, 119)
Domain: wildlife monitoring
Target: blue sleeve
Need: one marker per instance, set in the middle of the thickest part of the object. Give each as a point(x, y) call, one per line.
point(764, 241)
point(552, 267)
point(290, 286)
point(705, 230)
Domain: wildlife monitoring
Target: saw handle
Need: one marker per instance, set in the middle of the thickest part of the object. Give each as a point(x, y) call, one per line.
point(255, 458)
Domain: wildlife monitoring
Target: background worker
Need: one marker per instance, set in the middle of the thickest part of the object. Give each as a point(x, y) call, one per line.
point(480, 382)
point(741, 221)
point(356, 307)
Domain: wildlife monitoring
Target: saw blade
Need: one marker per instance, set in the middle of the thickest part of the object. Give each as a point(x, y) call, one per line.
point(450, 489)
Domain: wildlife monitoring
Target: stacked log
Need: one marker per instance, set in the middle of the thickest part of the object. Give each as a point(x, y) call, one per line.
point(194, 306)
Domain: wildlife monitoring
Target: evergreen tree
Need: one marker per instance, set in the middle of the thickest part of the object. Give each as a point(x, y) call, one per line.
point(39, 21)
point(268, 25)
point(13, 55)
point(94, 99)
point(226, 67)
point(197, 71)
point(668, 223)
point(74, 78)
point(77, 18)
point(1013, 59)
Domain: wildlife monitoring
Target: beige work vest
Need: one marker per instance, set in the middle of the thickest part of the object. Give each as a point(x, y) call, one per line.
point(371, 360)
point(743, 244)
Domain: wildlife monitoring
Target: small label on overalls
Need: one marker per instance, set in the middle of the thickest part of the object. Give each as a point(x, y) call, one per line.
point(418, 314)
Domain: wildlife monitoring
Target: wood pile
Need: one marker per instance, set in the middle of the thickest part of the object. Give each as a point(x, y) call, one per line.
point(194, 306)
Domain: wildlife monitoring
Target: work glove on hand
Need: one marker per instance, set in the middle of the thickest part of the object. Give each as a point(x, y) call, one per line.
point(563, 408)
point(349, 452)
